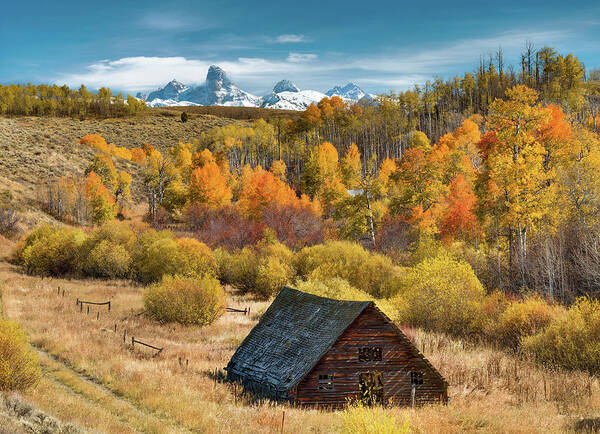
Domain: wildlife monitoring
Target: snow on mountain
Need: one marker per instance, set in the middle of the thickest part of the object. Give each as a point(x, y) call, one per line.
point(350, 91)
point(292, 100)
point(218, 89)
point(157, 102)
point(287, 96)
point(170, 92)
point(285, 86)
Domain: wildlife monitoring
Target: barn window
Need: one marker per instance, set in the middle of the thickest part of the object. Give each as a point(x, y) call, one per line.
point(325, 381)
point(416, 378)
point(369, 354)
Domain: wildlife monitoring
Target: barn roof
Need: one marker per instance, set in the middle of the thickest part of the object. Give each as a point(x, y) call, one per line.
point(291, 337)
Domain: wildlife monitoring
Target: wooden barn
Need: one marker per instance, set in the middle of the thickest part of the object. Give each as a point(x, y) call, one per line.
point(312, 350)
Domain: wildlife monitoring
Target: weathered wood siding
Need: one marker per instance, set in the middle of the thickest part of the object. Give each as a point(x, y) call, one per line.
point(370, 329)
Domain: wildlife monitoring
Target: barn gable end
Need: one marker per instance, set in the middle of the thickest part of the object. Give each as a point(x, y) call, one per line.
point(373, 334)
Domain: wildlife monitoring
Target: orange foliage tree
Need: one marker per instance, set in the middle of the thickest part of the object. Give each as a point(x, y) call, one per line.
point(261, 188)
point(207, 185)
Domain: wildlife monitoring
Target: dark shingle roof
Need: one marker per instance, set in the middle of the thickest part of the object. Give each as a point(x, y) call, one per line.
point(291, 337)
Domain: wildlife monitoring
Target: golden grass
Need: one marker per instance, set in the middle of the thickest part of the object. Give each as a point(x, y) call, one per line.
point(491, 391)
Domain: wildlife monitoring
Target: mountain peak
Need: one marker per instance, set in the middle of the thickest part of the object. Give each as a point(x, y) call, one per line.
point(285, 86)
point(349, 91)
point(216, 78)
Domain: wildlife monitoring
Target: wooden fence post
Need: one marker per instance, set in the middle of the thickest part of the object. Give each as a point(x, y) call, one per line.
point(133, 342)
point(109, 305)
point(124, 335)
point(282, 421)
point(97, 315)
point(88, 310)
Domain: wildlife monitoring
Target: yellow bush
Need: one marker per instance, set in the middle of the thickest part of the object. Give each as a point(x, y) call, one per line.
point(372, 273)
point(523, 318)
point(154, 256)
point(19, 366)
point(571, 340)
point(490, 309)
point(340, 289)
point(358, 419)
point(159, 253)
point(262, 269)
point(194, 258)
point(223, 259)
point(55, 252)
point(41, 232)
point(440, 294)
point(113, 231)
point(108, 259)
point(188, 301)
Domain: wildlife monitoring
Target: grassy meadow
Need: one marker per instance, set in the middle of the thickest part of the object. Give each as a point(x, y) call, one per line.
point(95, 381)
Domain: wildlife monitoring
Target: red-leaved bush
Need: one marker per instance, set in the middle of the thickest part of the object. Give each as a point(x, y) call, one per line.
point(223, 226)
point(296, 226)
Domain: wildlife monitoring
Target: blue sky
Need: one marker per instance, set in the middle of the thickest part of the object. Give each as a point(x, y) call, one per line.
point(380, 45)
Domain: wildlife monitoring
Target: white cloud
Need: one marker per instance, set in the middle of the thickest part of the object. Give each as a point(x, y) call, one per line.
point(147, 73)
point(300, 57)
point(290, 38)
point(393, 69)
point(171, 21)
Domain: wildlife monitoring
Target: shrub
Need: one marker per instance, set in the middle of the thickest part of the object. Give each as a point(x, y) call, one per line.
point(158, 253)
point(105, 252)
point(571, 340)
point(19, 366)
point(188, 301)
point(440, 294)
point(523, 318)
point(372, 273)
point(222, 227)
point(52, 252)
point(184, 117)
point(194, 258)
point(40, 232)
point(295, 226)
point(360, 419)
point(262, 269)
point(108, 259)
point(340, 289)
point(490, 309)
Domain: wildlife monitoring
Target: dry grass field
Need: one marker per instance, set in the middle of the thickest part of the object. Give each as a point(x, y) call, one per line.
point(95, 381)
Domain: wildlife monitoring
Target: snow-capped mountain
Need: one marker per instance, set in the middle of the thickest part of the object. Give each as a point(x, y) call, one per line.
point(285, 86)
point(286, 95)
point(170, 92)
point(350, 92)
point(218, 89)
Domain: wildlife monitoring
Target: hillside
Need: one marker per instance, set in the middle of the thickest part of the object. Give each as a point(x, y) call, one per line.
point(38, 150)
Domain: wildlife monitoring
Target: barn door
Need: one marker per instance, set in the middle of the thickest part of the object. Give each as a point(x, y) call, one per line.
point(371, 388)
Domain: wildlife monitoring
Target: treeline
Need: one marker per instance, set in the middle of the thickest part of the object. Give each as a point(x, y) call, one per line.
point(384, 127)
point(45, 100)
